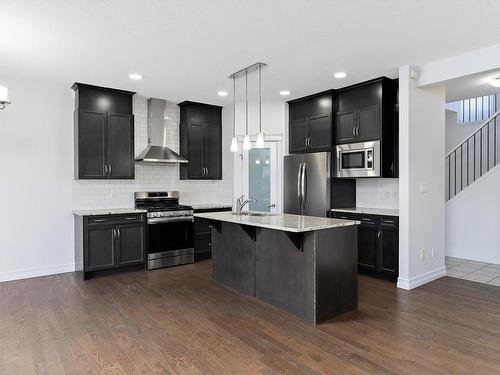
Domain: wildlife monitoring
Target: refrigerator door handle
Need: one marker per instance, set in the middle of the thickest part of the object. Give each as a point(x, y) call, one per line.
point(304, 184)
point(299, 179)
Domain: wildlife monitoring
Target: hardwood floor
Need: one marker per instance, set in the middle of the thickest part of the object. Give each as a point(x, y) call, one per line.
point(178, 321)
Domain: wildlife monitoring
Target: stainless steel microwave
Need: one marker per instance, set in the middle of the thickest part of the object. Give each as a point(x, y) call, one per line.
point(358, 160)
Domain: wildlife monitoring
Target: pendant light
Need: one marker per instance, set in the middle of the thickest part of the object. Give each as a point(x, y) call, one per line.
point(4, 97)
point(260, 137)
point(247, 145)
point(234, 140)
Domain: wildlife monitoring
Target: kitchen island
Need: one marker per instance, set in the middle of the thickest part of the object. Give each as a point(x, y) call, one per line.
point(304, 265)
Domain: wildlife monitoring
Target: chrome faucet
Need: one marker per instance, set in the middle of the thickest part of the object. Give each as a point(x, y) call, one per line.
point(241, 202)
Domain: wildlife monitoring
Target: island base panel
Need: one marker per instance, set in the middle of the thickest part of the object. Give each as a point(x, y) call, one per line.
point(285, 274)
point(315, 281)
point(233, 257)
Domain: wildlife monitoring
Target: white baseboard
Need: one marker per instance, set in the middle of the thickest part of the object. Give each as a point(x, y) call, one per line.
point(422, 279)
point(36, 272)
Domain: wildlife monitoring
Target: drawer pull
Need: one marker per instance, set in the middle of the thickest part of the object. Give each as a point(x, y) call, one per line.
point(130, 218)
point(99, 220)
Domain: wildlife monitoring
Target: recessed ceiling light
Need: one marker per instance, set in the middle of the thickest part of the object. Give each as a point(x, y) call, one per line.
point(135, 76)
point(340, 75)
point(222, 93)
point(495, 81)
point(284, 92)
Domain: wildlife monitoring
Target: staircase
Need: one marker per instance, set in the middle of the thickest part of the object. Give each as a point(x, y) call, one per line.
point(474, 157)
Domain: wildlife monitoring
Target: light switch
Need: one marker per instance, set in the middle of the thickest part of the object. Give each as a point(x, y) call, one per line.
point(425, 187)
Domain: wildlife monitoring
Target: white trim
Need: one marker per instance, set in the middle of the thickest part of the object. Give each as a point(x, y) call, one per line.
point(36, 272)
point(422, 279)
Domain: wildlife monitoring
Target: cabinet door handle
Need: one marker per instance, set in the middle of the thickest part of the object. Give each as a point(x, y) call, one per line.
point(378, 234)
point(392, 167)
point(119, 233)
point(305, 142)
point(309, 141)
point(354, 131)
point(105, 169)
point(109, 165)
point(207, 172)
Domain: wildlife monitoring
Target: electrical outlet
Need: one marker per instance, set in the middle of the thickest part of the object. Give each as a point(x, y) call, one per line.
point(422, 254)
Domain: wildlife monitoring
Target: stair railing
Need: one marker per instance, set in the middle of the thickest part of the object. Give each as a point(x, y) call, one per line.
point(473, 158)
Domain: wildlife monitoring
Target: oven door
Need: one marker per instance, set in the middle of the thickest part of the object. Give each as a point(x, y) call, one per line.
point(358, 160)
point(170, 238)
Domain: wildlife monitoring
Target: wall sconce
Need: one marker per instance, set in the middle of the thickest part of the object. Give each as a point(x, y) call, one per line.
point(4, 97)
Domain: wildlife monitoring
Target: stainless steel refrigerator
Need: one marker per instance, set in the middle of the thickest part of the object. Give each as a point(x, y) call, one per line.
point(307, 184)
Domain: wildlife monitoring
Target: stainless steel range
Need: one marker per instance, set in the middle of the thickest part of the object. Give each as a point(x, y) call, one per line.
point(170, 229)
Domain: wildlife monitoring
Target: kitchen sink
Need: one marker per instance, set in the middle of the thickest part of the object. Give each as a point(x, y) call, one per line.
point(246, 213)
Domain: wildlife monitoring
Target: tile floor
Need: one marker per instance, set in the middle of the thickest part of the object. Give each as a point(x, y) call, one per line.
point(480, 272)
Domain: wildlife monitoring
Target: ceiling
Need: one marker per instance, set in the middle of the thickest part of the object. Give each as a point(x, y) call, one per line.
point(471, 86)
point(187, 48)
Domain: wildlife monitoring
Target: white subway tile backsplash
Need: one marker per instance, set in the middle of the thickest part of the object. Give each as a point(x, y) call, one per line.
point(149, 177)
point(377, 192)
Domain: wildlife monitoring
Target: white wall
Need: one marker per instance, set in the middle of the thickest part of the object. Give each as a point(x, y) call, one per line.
point(473, 221)
point(472, 62)
point(456, 134)
point(36, 159)
point(273, 117)
point(421, 164)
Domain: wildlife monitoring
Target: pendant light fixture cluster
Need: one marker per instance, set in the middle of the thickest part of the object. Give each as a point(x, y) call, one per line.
point(247, 144)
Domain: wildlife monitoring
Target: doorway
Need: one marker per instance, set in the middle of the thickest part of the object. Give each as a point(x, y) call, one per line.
point(258, 175)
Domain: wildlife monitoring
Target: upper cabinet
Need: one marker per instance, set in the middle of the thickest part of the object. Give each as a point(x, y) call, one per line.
point(201, 141)
point(366, 112)
point(104, 133)
point(311, 123)
point(363, 110)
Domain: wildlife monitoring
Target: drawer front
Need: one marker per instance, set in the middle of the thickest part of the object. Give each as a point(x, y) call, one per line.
point(390, 221)
point(202, 226)
point(365, 219)
point(115, 219)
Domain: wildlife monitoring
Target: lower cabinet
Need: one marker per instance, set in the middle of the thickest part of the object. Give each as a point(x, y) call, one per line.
point(203, 235)
point(378, 244)
point(109, 242)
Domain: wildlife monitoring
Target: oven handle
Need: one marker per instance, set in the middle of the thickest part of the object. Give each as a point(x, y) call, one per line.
point(159, 220)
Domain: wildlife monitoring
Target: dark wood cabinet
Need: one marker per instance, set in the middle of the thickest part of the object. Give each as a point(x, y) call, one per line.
point(203, 234)
point(109, 242)
point(378, 244)
point(311, 123)
point(367, 246)
point(365, 112)
point(101, 247)
point(104, 133)
point(201, 141)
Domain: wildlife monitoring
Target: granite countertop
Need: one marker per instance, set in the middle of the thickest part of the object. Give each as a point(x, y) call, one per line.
point(108, 211)
point(284, 222)
point(369, 211)
point(210, 206)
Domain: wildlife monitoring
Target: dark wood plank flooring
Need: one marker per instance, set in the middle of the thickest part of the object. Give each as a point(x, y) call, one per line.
point(178, 321)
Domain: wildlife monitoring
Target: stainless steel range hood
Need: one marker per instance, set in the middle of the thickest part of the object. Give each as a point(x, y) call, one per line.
point(157, 150)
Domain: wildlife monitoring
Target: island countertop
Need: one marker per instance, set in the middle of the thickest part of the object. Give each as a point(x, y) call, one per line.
point(283, 222)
